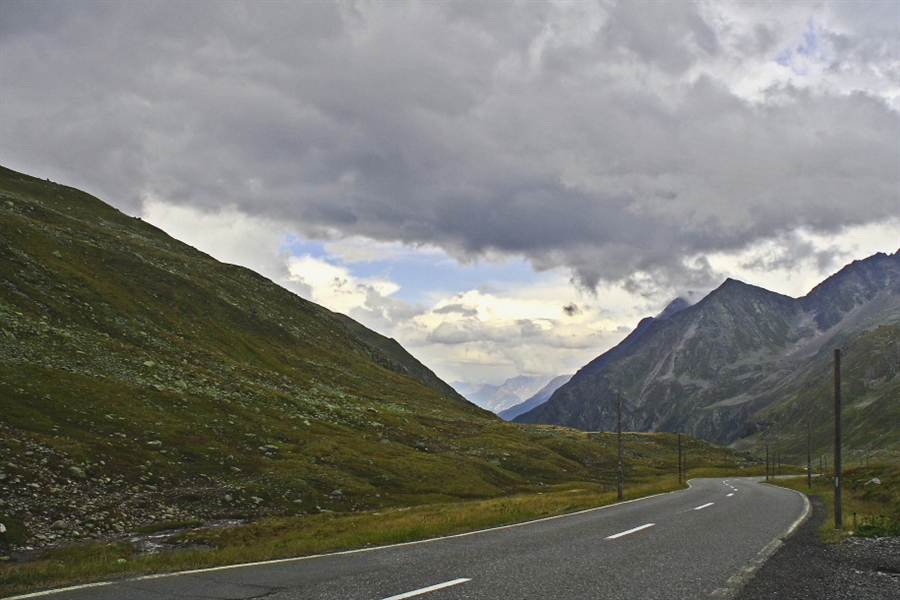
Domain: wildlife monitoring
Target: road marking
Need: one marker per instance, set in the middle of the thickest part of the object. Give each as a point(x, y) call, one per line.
point(430, 588)
point(629, 532)
point(736, 581)
point(729, 495)
point(702, 506)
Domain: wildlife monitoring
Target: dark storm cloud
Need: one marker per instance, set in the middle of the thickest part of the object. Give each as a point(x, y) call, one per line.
point(571, 310)
point(601, 137)
point(456, 309)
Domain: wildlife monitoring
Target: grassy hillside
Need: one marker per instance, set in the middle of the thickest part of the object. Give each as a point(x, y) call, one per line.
point(870, 399)
point(144, 383)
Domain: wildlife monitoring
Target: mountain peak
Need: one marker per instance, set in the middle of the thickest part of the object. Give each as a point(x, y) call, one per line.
point(680, 303)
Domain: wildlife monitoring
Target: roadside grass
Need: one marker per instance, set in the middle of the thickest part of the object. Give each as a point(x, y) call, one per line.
point(413, 514)
point(868, 509)
point(282, 537)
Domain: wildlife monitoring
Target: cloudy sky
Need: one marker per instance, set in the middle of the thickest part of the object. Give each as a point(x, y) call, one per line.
point(504, 187)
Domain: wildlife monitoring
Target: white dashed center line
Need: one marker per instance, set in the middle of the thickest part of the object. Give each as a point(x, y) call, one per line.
point(702, 506)
point(426, 590)
point(629, 532)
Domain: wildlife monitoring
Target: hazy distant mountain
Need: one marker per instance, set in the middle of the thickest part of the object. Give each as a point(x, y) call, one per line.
point(539, 398)
point(722, 368)
point(511, 392)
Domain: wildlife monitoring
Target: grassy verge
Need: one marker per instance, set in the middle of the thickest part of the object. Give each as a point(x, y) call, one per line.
point(271, 538)
point(869, 509)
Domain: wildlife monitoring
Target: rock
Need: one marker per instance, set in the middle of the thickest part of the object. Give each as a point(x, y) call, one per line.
point(154, 444)
point(873, 481)
point(78, 472)
point(60, 525)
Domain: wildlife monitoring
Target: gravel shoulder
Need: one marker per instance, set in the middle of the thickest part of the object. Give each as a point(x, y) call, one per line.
point(807, 568)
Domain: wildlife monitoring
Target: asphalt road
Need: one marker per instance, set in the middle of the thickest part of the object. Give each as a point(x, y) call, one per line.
point(697, 543)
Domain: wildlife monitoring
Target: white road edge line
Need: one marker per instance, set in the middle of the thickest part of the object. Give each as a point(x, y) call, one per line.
point(629, 532)
point(702, 506)
point(430, 588)
point(739, 579)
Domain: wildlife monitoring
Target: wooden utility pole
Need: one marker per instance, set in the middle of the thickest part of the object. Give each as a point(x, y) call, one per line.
point(808, 455)
point(621, 492)
point(680, 469)
point(767, 462)
point(838, 509)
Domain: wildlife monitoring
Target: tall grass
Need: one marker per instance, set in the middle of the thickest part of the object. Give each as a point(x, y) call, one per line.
point(868, 508)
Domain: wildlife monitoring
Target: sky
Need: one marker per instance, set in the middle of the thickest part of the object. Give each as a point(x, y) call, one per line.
point(505, 188)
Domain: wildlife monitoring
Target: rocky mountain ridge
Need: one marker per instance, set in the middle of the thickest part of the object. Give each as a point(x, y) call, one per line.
point(719, 368)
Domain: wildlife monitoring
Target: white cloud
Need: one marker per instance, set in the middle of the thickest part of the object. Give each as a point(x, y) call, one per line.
point(793, 264)
point(335, 286)
point(228, 234)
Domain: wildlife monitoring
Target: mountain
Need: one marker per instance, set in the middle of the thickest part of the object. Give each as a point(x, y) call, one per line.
point(727, 368)
point(144, 383)
point(537, 399)
point(511, 392)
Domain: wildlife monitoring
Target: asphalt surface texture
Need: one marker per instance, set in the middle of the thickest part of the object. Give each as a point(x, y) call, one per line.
point(704, 542)
point(804, 568)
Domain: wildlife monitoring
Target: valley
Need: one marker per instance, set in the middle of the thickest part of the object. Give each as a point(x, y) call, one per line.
point(150, 392)
point(144, 386)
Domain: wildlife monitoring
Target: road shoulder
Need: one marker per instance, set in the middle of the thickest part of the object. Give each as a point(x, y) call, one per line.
point(806, 568)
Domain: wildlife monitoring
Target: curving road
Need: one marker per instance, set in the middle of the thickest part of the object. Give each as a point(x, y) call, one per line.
point(702, 542)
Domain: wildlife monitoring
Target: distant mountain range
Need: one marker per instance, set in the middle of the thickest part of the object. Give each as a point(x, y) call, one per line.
point(738, 367)
point(539, 397)
point(510, 393)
